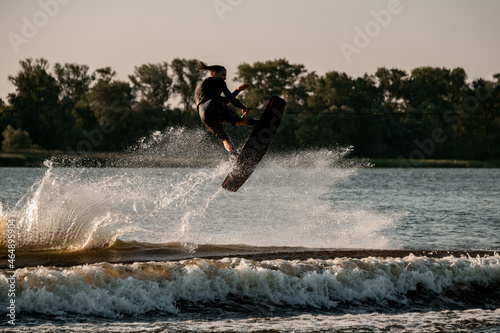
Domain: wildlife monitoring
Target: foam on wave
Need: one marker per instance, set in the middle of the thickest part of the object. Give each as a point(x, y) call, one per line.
point(114, 290)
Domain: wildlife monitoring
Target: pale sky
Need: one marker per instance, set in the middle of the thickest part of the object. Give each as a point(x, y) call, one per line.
point(352, 36)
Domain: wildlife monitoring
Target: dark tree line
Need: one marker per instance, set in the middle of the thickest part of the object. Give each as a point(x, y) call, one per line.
point(73, 109)
point(427, 113)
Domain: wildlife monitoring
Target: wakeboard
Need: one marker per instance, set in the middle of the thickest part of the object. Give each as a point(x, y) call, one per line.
point(256, 145)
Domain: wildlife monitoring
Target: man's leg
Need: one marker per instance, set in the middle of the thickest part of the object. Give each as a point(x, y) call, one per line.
point(228, 144)
point(211, 113)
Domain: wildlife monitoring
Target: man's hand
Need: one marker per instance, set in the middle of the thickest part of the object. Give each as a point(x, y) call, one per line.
point(245, 112)
point(243, 87)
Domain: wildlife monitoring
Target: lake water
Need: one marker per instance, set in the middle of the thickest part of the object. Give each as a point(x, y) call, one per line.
point(310, 243)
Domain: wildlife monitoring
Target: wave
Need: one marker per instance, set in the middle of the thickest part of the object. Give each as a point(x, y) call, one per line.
point(334, 285)
point(134, 251)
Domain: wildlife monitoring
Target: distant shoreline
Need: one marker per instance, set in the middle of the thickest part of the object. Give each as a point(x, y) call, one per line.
point(116, 159)
point(429, 163)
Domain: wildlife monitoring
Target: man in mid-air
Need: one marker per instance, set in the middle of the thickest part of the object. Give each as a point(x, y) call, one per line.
point(213, 107)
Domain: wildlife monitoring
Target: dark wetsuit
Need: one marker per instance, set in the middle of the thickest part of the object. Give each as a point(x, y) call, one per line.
point(212, 106)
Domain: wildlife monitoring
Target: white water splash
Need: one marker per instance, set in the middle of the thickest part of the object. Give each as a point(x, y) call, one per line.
point(280, 205)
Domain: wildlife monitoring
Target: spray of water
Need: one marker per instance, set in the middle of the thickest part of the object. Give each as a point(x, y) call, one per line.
point(74, 208)
point(192, 147)
point(82, 208)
